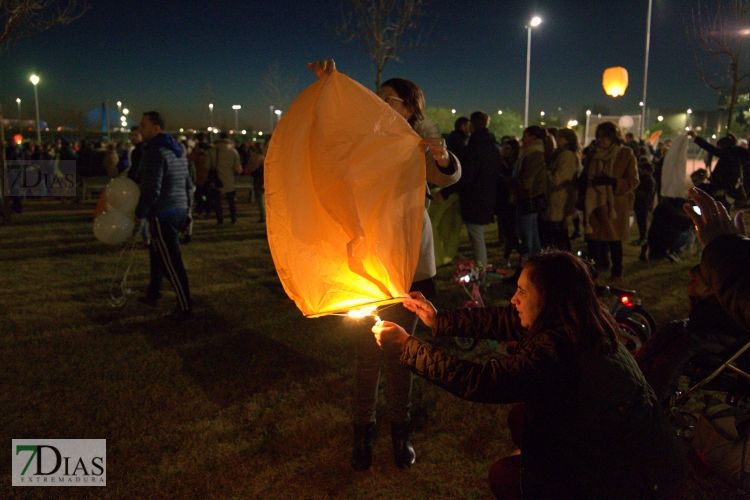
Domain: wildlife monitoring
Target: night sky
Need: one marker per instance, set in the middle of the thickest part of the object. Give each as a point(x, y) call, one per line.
point(177, 57)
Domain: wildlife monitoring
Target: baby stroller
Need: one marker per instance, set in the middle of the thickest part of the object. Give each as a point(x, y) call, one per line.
point(709, 347)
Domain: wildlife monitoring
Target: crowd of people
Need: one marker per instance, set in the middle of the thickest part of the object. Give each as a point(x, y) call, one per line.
point(536, 186)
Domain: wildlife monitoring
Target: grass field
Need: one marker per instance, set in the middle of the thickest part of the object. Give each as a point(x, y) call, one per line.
point(246, 400)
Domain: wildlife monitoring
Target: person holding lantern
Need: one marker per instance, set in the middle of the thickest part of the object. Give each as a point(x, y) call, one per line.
point(587, 423)
point(443, 169)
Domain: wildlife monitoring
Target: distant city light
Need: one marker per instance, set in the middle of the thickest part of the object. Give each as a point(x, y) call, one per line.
point(690, 111)
point(260, 133)
point(660, 118)
point(572, 123)
point(542, 113)
point(499, 111)
point(244, 132)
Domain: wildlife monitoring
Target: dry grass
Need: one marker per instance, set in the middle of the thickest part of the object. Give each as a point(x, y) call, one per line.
point(247, 400)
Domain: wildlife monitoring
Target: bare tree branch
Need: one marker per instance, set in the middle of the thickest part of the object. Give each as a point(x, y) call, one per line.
point(381, 28)
point(278, 88)
point(719, 32)
point(23, 18)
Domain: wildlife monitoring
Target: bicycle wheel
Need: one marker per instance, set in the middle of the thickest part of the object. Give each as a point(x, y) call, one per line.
point(644, 318)
point(631, 334)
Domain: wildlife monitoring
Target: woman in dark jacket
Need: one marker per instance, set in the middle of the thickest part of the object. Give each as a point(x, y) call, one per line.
point(591, 425)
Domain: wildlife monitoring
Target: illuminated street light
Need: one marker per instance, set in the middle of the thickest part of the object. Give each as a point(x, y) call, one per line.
point(18, 101)
point(34, 81)
point(542, 113)
point(453, 111)
point(535, 21)
point(236, 109)
point(660, 118)
point(210, 118)
point(572, 123)
point(499, 111)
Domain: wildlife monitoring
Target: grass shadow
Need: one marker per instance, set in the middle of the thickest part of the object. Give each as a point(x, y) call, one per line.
point(233, 367)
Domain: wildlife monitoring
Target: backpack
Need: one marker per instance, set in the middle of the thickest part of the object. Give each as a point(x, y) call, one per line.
point(722, 441)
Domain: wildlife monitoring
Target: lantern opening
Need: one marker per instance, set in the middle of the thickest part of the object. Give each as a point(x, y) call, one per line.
point(363, 312)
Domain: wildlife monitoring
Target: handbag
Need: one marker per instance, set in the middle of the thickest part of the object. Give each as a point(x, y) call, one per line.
point(534, 205)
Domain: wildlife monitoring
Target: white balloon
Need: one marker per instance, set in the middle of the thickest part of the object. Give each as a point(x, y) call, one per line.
point(122, 194)
point(113, 227)
point(626, 121)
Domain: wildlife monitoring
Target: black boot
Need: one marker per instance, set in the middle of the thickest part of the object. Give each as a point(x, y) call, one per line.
point(403, 451)
point(364, 439)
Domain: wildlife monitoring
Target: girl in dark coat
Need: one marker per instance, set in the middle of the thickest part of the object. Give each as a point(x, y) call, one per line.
point(590, 425)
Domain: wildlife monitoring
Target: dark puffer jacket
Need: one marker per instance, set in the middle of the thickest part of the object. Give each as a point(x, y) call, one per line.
point(592, 428)
point(481, 163)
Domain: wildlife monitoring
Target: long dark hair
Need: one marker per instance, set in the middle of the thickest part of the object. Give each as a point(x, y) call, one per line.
point(569, 301)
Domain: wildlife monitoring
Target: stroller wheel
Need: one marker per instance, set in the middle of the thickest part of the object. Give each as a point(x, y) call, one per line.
point(739, 401)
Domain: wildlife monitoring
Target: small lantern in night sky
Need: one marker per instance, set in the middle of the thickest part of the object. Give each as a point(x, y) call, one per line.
point(615, 81)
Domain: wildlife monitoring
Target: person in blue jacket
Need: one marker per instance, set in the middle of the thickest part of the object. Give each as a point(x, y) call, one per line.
point(166, 194)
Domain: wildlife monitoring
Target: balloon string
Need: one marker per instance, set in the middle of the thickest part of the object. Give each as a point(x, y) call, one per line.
point(115, 301)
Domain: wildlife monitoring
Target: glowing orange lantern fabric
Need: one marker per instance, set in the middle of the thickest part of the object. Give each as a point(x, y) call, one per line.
point(615, 81)
point(345, 187)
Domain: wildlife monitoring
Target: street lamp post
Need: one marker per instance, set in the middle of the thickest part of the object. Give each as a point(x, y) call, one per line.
point(270, 110)
point(236, 109)
point(645, 69)
point(535, 21)
point(34, 81)
point(210, 122)
point(125, 113)
point(18, 101)
point(278, 117)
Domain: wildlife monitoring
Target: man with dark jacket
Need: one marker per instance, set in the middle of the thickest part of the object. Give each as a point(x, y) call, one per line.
point(166, 190)
point(135, 155)
point(456, 140)
point(726, 176)
point(477, 189)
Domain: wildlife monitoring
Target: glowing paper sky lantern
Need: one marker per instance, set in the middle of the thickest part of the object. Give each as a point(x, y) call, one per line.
point(345, 188)
point(615, 81)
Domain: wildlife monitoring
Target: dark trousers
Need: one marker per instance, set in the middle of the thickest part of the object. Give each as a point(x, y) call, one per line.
point(641, 217)
point(202, 204)
point(554, 234)
point(599, 251)
point(166, 258)
point(506, 226)
point(232, 207)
